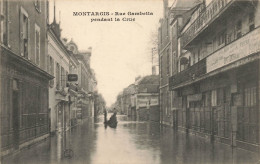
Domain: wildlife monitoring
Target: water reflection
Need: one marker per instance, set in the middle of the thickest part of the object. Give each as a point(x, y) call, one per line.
point(131, 142)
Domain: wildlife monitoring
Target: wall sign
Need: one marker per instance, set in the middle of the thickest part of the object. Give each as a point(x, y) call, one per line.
point(72, 77)
point(239, 49)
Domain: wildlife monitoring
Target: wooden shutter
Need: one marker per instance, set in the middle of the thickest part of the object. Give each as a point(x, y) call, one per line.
point(29, 39)
point(21, 33)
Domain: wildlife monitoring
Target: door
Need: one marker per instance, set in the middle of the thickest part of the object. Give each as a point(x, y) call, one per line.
point(15, 103)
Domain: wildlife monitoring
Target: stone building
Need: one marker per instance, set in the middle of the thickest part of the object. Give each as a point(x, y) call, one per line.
point(23, 74)
point(140, 99)
point(146, 98)
point(86, 82)
point(174, 18)
point(61, 93)
point(217, 83)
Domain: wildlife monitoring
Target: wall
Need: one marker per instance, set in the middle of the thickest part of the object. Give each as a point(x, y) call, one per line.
point(35, 17)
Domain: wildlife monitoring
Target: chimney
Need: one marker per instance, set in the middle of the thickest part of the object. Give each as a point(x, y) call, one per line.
point(54, 12)
point(154, 70)
point(165, 8)
point(137, 78)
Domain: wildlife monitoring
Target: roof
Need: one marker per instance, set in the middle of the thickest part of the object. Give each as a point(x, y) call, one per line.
point(185, 3)
point(150, 79)
point(149, 84)
point(192, 10)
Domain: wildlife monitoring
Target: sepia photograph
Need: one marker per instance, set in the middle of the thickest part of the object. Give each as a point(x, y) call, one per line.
point(129, 81)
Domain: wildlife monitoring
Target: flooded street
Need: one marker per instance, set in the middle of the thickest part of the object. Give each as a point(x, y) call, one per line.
point(130, 142)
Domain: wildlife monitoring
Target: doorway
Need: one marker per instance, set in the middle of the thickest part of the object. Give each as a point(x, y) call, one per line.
point(15, 110)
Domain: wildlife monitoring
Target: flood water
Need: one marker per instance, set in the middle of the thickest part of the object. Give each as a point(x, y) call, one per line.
point(130, 142)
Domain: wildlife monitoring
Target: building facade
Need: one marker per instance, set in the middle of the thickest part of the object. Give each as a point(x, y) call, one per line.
point(140, 100)
point(59, 67)
point(174, 18)
point(146, 98)
point(164, 66)
point(217, 83)
point(86, 82)
point(24, 79)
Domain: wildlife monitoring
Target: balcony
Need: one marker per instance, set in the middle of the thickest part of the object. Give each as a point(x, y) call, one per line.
point(188, 74)
point(73, 87)
point(236, 53)
point(211, 12)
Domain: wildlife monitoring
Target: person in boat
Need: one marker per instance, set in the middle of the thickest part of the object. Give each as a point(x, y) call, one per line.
point(112, 122)
point(105, 116)
point(113, 118)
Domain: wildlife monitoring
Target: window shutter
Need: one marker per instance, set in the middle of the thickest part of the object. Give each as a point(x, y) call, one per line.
point(21, 33)
point(29, 40)
point(39, 49)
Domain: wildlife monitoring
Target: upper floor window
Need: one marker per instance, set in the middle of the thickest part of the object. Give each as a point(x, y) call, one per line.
point(57, 76)
point(37, 44)
point(51, 65)
point(5, 22)
point(238, 29)
point(63, 78)
point(66, 76)
point(173, 62)
point(222, 38)
point(51, 69)
point(160, 66)
point(24, 32)
point(251, 21)
point(168, 62)
point(37, 4)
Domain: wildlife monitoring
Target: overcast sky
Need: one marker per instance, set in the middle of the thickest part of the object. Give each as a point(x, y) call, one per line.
point(119, 49)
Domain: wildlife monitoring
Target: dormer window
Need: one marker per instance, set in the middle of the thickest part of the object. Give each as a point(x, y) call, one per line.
point(72, 48)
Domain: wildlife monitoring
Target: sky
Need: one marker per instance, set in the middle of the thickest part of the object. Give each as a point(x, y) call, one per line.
point(120, 50)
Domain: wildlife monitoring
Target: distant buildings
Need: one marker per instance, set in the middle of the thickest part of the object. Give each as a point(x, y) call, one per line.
point(86, 82)
point(140, 100)
point(214, 80)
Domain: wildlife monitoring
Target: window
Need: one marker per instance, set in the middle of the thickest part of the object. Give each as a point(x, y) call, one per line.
point(250, 96)
point(66, 76)
point(167, 21)
point(161, 36)
point(37, 44)
point(194, 58)
point(51, 66)
point(57, 76)
point(168, 62)
point(214, 98)
point(5, 23)
point(161, 66)
point(51, 69)
point(229, 37)
point(173, 63)
point(220, 96)
point(251, 21)
point(238, 29)
point(214, 44)
point(63, 79)
point(222, 38)
point(199, 49)
point(24, 32)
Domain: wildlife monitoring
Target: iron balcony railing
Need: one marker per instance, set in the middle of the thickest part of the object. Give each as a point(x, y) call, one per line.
point(211, 12)
point(238, 49)
point(189, 74)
